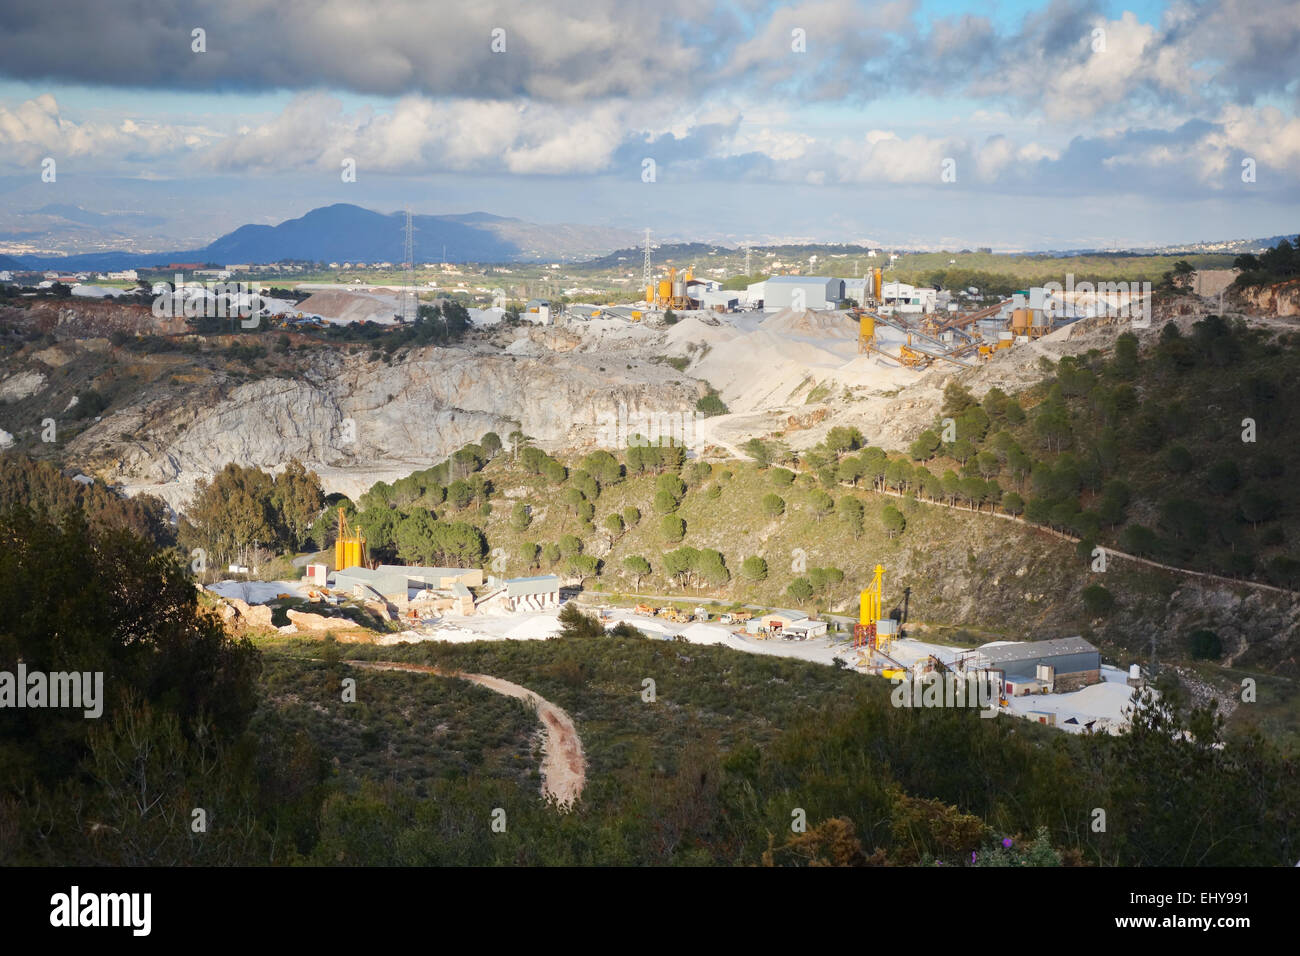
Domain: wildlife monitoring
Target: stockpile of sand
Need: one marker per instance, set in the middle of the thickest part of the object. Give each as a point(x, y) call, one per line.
point(785, 357)
point(346, 307)
point(807, 323)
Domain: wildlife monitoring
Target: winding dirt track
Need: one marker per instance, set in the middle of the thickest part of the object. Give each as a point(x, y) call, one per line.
point(564, 768)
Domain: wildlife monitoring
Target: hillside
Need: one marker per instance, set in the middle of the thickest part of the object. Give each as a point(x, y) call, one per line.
point(345, 232)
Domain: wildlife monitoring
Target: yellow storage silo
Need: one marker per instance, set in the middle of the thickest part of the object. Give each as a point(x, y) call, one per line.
point(349, 546)
point(866, 332)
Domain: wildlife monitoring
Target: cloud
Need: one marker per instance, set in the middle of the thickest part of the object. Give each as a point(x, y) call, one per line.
point(671, 55)
point(36, 128)
point(420, 135)
point(553, 49)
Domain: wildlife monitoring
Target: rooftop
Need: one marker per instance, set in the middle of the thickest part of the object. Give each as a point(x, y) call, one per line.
point(538, 584)
point(1029, 650)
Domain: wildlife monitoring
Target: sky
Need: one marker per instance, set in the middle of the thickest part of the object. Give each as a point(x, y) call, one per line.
point(913, 123)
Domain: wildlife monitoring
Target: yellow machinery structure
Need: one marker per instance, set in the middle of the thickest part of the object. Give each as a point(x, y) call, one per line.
point(911, 357)
point(349, 546)
point(866, 332)
point(869, 610)
point(670, 293)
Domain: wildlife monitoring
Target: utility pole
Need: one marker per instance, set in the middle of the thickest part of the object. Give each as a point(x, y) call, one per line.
point(646, 277)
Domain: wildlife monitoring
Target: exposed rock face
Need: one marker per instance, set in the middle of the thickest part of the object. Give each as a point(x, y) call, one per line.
point(1282, 299)
point(15, 388)
point(356, 422)
point(252, 615)
point(307, 621)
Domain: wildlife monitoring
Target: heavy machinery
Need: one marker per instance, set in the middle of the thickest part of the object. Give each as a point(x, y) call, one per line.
point(919, 349)
point(864, 632)
point(349, 546)
point(670, 293)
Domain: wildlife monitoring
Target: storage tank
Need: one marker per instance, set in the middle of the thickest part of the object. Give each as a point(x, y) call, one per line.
point(1020, 321)
point(665, 290)
point(866, 327)
point(679, 288)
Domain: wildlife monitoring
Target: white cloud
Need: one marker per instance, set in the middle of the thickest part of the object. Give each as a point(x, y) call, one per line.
point(36, 128)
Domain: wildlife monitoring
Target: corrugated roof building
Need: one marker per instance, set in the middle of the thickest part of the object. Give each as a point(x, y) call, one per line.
point(802, 292)
point(1074, 662)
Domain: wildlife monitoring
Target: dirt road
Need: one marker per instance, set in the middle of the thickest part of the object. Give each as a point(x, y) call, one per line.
point(564, 768)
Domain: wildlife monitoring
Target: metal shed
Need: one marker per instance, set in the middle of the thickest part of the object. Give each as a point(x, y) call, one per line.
point(1073, 662)
point(802, 292)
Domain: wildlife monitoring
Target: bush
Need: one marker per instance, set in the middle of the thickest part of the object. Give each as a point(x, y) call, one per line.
point(1097, 601)
point(893, 520)
point(754, 569)
point(1205, 645)
point(773, 506)
point(574, 623)
point(711, 405)
point(672, 528)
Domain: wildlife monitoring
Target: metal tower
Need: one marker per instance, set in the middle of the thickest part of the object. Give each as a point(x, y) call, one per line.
point(410, 308)
point(747, 249)
point(647, 280)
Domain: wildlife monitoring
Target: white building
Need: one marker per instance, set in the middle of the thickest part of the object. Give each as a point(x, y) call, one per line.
point(901, 297)
point(125, 275)
point(532, 594)
point(723, 301)
point(802, 292)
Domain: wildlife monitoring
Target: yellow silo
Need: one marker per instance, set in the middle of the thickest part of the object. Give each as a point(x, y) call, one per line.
point(349, 546)
point(866, 332)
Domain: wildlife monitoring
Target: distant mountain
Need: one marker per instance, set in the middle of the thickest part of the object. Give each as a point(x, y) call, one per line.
point(675, 252)
point(348, 233)
point(9, 263)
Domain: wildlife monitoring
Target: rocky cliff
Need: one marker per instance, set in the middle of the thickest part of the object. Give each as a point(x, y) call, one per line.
point(356, 422)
